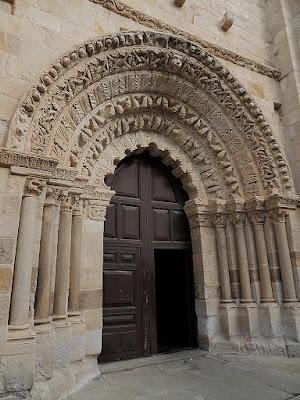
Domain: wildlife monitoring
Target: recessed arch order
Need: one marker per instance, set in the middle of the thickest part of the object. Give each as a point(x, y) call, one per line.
point(129, 84)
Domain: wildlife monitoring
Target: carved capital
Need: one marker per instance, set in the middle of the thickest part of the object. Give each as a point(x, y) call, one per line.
point(219, 220)
point(96, 212)
point(238, 219)
point(278, 216)
point(257, 217)
point(197, 214)
point(78, 204)
point(65, 201)
point(33, 187)
point(53, 194)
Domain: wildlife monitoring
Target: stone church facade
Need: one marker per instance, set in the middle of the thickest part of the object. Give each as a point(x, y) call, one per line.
point(212, 90)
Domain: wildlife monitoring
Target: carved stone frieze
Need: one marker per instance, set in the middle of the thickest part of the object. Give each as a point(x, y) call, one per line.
point(9, 158)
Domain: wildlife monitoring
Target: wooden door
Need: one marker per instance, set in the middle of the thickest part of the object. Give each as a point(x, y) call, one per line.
point(145, 214)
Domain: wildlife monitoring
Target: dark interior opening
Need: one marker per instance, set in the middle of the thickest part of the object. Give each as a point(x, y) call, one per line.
point(175, 300)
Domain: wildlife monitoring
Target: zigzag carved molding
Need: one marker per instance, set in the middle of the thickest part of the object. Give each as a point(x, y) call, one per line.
point(126, 11)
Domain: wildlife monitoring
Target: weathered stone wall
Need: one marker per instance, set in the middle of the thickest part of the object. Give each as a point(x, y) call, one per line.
point(46, 29)
point(33, 34)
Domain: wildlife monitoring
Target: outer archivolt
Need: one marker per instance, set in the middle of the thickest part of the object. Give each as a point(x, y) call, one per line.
point(104, 59)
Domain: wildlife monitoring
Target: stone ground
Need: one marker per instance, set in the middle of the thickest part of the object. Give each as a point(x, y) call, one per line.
point(196, 375)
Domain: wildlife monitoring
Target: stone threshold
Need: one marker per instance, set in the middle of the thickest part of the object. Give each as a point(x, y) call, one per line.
point(163, 358)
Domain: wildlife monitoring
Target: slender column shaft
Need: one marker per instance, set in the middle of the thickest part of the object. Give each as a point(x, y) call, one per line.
point(219, 221)
point(263, 264)
point(63, 261)
point(20, 298)
point(252, 261)
point(73, 305)
point(239, 226)
point(233, 262)
point(42, 296)
point(289, 292)
point(257, 218)
point(273, 261)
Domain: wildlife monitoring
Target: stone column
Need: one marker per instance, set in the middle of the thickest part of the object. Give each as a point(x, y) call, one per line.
point(233, 262)
point(205, 264)
point(219, 221)
point(20, 298)
point(278, 217)
point(252, 262)
point(238, 220)
point(42, 296)
point(76, 256)
point(61, 291)
point(257, 218)
point(273, 260)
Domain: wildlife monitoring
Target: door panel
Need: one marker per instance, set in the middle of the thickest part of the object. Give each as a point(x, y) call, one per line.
point(130, 228)
point(121, 304)
point(146, 213)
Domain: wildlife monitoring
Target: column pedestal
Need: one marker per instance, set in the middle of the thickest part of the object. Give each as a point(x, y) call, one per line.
point(249, 320)
point(44, 351)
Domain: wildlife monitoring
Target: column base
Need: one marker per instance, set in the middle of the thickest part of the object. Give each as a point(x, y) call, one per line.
point(42, 321)
point(57, 317)
point(73, 313)
point(20, 332)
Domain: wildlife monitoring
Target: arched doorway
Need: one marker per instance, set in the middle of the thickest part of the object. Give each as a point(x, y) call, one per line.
point(148, 301)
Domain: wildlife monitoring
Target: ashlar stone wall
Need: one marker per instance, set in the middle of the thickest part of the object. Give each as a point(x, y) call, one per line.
point(243, 210)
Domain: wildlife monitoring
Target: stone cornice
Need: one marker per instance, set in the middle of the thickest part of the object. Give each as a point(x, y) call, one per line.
point(126, 11)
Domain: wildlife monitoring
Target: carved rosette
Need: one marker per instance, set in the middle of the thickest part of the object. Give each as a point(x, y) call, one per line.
point(33, 187)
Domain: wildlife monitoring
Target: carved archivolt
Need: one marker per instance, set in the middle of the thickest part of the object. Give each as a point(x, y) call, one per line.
point(171, 154)
point(126, 11)
point(128, 83)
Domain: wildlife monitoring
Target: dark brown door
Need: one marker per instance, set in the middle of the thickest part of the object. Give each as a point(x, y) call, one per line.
point(145, 215)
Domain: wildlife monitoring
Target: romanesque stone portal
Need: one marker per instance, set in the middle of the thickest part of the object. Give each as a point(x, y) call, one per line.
point(99, 103)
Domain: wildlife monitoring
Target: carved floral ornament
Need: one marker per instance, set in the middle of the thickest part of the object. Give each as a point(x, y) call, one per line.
point(172, 90)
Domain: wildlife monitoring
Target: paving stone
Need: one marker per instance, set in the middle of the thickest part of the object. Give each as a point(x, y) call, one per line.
point(203, 377)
